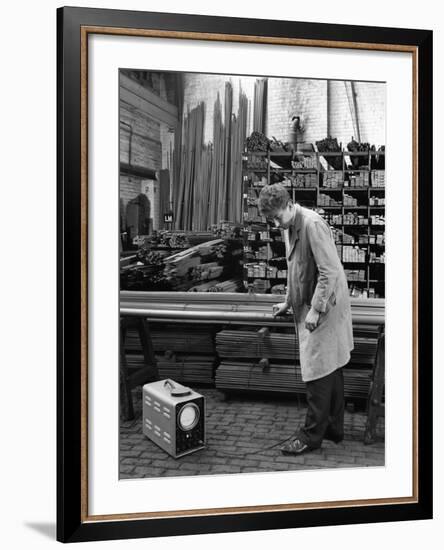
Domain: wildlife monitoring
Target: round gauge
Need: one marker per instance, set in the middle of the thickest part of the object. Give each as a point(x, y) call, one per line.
point(188, 416)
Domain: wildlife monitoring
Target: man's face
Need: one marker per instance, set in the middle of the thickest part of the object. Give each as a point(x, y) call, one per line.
point(283, 217)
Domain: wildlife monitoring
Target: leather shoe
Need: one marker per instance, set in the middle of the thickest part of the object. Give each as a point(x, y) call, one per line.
point(295, 447)
point(336, 438)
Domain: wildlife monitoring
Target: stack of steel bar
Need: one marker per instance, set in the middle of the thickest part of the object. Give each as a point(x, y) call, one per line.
point(250, 310)
point(356, 382)
point(249, 344)
point(175, 239)
point(175, 338)
point(231, 285)
point(163, 271)
point(281, 378)
point(189, 267)
point(365, 351)
point(198, 369)
point(184, 353)
point(278, 348)
point(254, 376)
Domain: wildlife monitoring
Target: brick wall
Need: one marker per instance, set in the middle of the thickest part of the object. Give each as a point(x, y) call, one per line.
point(140, 143)
point(140, 140)
point(151, 189)
point(292, 96)
point(129, 189)
point(287, 97)
point(167, 141)
point(370, 100)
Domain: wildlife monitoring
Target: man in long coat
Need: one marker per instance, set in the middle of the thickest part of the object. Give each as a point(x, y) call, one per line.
point(317, 292)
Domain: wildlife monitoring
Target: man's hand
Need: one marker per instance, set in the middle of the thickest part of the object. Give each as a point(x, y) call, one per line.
point(280, 309)
point(312, 319)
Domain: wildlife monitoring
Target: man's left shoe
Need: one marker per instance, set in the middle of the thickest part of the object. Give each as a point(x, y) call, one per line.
point(331, 436)
point(295, 447)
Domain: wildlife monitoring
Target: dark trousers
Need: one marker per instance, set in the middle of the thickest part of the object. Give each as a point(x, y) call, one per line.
point(325, 414)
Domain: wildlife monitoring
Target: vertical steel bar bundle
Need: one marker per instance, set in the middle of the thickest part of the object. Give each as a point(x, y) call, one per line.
point(260, 103)
point(207, 178)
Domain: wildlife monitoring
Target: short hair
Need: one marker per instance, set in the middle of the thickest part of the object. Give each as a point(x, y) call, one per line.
point(272, 198)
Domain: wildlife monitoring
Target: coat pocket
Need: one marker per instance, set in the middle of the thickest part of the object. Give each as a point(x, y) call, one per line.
point(330, 303)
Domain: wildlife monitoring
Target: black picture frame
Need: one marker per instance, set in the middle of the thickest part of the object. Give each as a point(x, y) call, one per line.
point(73, 524)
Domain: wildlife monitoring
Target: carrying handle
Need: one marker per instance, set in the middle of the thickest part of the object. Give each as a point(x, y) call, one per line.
point(174, 390)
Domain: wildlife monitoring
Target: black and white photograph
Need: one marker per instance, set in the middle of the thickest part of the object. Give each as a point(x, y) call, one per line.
point(223, 222)
point(252, 273)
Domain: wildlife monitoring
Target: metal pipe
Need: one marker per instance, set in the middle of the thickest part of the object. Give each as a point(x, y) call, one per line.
point(355, 108)
point(224, 316)
point(202, 315)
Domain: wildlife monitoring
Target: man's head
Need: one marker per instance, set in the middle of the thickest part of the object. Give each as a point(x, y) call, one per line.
point(275, 203)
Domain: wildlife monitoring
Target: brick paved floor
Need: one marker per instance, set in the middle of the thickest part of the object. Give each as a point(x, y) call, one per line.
point(239, 434)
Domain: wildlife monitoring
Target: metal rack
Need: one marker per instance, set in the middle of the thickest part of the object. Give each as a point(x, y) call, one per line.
point(258, 170)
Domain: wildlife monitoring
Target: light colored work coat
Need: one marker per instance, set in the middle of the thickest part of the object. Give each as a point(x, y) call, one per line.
point(316, 278)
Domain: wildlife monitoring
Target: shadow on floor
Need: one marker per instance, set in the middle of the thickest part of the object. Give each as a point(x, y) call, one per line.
point(48, 530)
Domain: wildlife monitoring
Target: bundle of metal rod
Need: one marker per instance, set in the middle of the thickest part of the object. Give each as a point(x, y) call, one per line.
point(182, 368)
point(224, 189)
point(364, 352)
point(175, 338)
point(188, 369)
point(143, 277)
point(193, 132)
point(249, 344)
point(281, 378)
point(256, 376)
point(232, 285)
point(207, 186)
point(202, 189)
point(206, 271)
point(203, 287)
point(199, 263)
point(277, 346)
point(357, 382)
point(233, 307)
point(176, 158)
point(238, 136)
point(199, 251)
point(260, 105)
point(218, 160)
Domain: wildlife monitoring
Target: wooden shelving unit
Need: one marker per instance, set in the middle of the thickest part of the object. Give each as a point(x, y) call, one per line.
point(352, 200)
